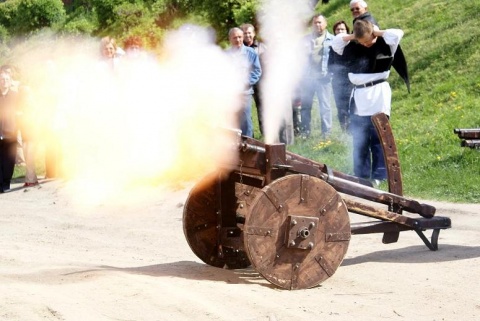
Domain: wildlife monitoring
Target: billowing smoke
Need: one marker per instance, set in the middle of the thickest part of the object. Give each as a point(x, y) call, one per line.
point(147, 121)
point(282, 26)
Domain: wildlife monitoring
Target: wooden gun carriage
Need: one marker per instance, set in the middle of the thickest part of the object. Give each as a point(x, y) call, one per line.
point(288, 216)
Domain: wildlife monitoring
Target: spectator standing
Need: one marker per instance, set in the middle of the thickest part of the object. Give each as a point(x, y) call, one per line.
point(316, 79)
point(248, 62)
point(28, 124)
point(341, 86)
point(250, 40)
point(134, 47)
point(371, 53)
point(360, 11)
point(8, 129)
point(20, 157)
point(110, 53)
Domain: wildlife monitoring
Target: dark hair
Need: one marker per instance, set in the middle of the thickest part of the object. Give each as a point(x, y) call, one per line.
point(340, 22)
point(362, 28)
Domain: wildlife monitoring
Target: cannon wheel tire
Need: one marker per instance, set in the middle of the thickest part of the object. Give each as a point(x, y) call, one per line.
point(298, 232)
point(200, 225)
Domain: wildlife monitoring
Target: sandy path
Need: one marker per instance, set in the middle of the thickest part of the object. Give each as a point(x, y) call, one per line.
point(132, 262)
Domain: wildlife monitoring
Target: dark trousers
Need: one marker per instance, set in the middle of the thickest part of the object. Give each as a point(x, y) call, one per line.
point(342, 88)
point(368, 159)
point(8, 149)
point(257, 98)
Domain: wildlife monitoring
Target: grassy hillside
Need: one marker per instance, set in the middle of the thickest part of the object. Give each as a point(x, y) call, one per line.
point(442, 47)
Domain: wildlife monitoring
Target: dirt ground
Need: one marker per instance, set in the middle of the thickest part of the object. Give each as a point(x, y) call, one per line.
point(130, 261)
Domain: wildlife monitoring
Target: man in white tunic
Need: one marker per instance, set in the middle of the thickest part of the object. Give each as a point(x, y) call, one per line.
point(370, 54)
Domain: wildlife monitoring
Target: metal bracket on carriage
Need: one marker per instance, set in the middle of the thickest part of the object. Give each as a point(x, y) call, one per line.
point(301, 232)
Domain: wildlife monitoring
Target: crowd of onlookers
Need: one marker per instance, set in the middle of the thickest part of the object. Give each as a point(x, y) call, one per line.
point(350, 69)
point(22, 127)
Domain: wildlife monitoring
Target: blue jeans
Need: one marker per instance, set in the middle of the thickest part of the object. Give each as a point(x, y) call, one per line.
point(246, 123)
point(322, 87)
point(368, 159)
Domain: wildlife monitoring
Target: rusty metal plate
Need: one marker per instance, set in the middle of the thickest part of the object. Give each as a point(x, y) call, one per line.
point(274, 209)
point(301, 231)
point(214, 245)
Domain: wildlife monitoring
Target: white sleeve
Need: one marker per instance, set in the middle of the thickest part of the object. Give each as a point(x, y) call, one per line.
point(338, 44)
point(392, 38)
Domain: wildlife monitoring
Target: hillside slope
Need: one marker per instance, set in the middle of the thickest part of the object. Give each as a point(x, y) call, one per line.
point(442, 47)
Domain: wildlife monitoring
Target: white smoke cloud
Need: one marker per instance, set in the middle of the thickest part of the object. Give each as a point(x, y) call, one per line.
point(148, 121)
point(283, 25)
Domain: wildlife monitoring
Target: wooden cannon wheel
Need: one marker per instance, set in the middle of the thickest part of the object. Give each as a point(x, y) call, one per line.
point(201, 224)
point(298, 232)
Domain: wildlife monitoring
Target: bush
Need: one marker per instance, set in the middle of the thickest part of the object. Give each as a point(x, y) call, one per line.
point(4, 35)
point(32, 15)
point(8, 10)
point(80, 20)
point(79, 26)
point(129, 15)
point(105, 11)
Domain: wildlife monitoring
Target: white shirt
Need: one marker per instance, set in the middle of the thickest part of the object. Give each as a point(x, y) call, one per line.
point(373, 99)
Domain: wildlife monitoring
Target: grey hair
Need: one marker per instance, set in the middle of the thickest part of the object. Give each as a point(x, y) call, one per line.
point(246, 26)
point(233, 30)
point(361, 3)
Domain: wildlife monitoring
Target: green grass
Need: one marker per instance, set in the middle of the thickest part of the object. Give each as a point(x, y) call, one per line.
point(442, 47)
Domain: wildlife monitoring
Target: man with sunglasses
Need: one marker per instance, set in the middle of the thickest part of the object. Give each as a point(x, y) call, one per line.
point(360, 11)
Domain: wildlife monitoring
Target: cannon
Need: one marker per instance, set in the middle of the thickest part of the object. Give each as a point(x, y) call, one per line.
point(470, 137)
point(289, 217)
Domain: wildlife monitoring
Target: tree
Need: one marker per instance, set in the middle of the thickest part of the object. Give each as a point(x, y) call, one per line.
point(31, 15)
point(225, 14)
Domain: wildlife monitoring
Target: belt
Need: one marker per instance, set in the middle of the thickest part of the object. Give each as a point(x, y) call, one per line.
point(371, 83)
